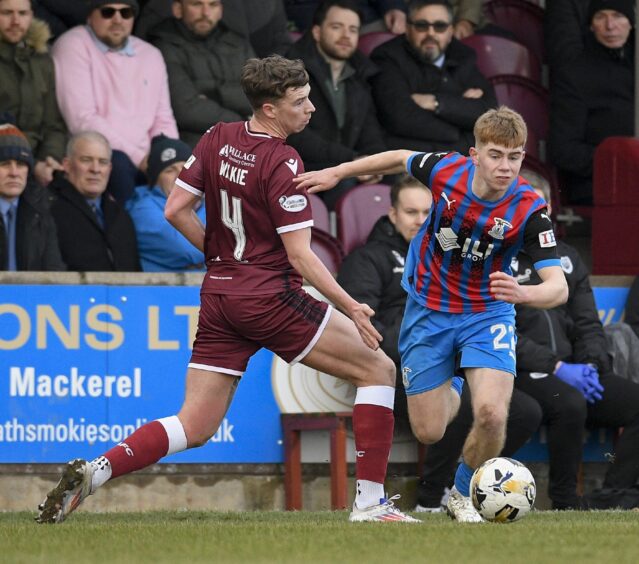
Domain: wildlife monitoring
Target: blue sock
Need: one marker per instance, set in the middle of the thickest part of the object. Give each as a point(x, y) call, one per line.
point(457, 384)
point(462, 479)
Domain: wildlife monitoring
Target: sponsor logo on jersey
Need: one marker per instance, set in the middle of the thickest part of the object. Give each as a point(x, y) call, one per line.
point(188, 163)
point(447, 239)
point(292, 165)
point(497, 230)
point(566, 264)
point(237, 156)
point(448, 202)
point(547, 239)
point(293, 203)
point(471, 250)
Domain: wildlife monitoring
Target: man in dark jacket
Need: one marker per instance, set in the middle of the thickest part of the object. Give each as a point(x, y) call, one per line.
point(95, 232)
point(27, 85)
point(593, 98)
point(204, 60)
point(429, 91)
point(28, 238)
point(344, 125)
point(372, 274)
point(557, 352)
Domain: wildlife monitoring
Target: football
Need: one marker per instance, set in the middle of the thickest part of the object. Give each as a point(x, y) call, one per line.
point(502, 490)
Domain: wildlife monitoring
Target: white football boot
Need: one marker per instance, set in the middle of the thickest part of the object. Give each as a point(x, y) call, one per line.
point(461, 508)
point(385, 511)
point(74, 486)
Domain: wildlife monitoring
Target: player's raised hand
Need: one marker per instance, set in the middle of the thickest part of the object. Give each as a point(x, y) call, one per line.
point(506, 288)
point(318, 180)
point(361, 316)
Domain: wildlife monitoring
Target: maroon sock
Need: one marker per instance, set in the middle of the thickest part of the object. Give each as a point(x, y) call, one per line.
point(144, 447)
point(373, 428)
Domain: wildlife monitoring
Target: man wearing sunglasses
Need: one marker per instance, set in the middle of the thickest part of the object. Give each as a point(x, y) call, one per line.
point(429, 92)
point(112, 82)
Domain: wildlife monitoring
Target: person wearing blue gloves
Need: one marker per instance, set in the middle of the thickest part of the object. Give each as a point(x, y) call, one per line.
point(161, 247)
point(563, 362)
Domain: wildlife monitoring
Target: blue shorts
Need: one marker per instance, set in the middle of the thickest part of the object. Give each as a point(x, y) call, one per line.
point(430, 340)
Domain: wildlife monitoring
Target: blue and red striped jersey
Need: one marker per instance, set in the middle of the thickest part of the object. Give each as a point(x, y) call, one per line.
point(465, 238)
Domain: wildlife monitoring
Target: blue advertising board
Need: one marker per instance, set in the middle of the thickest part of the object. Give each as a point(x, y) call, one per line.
point(82, 366)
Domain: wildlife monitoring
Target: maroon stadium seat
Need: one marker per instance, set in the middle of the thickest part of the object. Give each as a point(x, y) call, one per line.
point(368, 41)
point(321, 219)
point(531, 101)
point(615, 236)
point(328, 249)
point(524, 19)
point(358, 210)
point(499, 55)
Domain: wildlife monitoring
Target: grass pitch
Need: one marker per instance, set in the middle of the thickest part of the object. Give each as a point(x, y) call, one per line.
point(305, 537)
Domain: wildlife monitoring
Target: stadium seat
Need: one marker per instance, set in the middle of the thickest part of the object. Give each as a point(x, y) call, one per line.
point(499, 55)
point(368, 41)
point(321, 218)
point(328, 249)
point(615, 237)
point(357, 211)
point(531, 101)
point(525, 20)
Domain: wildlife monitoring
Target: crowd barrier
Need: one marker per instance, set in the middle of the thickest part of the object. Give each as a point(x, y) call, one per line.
point(87, 358)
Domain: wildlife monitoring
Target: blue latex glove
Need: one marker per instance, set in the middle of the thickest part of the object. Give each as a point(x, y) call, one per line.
point(582, 377)
point(592, 385)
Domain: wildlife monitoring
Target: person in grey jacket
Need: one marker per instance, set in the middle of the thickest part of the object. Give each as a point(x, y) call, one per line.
point(204, 59)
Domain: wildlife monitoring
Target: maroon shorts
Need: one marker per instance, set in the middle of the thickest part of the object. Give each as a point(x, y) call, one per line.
point(233, 328)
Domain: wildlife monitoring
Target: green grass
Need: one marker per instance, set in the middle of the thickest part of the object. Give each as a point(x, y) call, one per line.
point(305, 537)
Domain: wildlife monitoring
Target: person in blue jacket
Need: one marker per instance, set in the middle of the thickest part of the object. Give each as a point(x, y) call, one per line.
point(161, 247)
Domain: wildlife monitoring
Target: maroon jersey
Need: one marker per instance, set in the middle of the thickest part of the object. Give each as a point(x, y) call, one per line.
point(246, 178)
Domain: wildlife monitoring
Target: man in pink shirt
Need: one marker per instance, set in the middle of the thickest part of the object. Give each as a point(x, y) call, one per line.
point(114, 83)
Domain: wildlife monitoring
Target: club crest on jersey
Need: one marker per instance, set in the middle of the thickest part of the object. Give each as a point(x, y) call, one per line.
point(293, 203)
point(497, 230)
point(566, 264)
point(447, 239)
point(547, 239)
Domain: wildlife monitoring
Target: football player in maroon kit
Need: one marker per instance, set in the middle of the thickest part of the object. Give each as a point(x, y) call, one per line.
point(257, 247)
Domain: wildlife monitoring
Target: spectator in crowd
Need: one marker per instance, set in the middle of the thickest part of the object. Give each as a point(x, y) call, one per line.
point(593, 98)
point(61, 15)
point(344, 126)
point(28, 238)
point(565, 31)
point(110, 82)
point(632, 306)
point(94, 230)
point(377, 15)
point(262, 23)
point(469, 16)
point(204, 60)
point(563, 362)
point(372, 274)
point(429, 92)
point(27, 85)
point(162, 248)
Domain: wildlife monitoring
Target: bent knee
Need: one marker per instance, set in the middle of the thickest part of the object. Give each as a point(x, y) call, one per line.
point(378, 370)
point(428, 434)
point(491, 418)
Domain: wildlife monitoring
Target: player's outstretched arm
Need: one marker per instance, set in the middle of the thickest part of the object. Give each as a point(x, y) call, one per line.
point(388, 162)
point(304, 260)
point(180, 214)
point(552, 292)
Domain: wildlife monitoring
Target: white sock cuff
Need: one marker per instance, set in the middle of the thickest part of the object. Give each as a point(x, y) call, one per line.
point(376, 395)
point(175, 432)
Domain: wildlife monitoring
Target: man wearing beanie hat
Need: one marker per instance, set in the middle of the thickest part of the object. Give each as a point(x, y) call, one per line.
point(28, 238)
point(27, 85)
point(110, 81)
point(593, 98)
point(161, 247)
